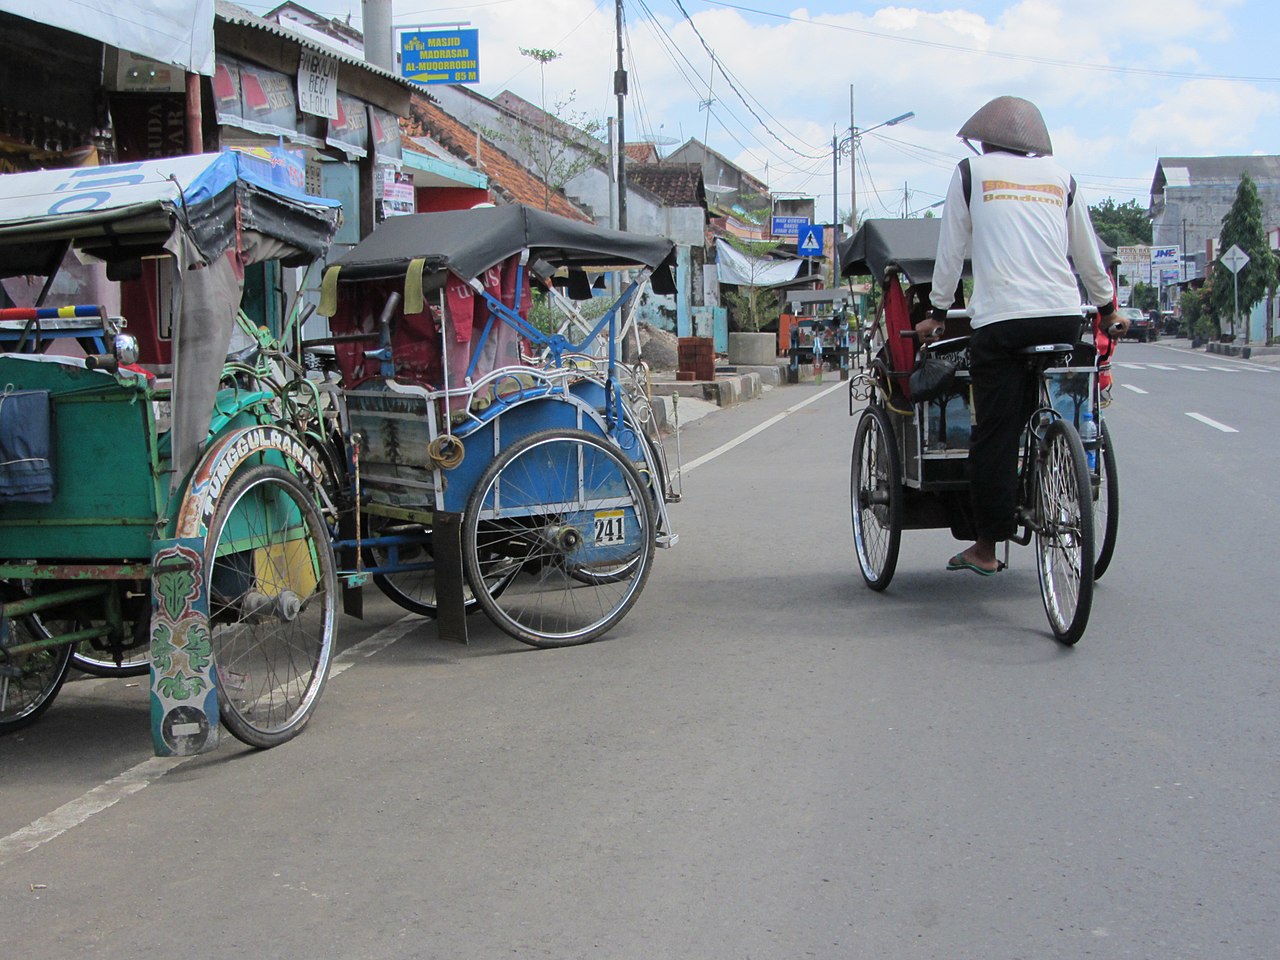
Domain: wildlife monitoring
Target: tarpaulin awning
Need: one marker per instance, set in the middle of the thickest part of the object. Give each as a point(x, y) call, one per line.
point(743, 270)
point(171, 31)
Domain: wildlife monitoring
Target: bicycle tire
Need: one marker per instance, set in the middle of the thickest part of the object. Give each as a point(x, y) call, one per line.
point(529, 512)
point(36, 676)
point(1106, 504)
point(875, 498)
point(272, 589)
point(1064, 531)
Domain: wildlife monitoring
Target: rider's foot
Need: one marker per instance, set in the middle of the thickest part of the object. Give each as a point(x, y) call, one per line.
point(980, 558)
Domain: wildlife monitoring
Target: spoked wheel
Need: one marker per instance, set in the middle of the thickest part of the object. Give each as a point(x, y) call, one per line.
point(415, 589)
point(1106, 503)
point(875, 495)
point(1064, 532)
point(569, 513)
point(30, 681)
point(131, 657)
point(272, 604)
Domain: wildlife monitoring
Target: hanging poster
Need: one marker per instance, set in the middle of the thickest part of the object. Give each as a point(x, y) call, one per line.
point(350, 131)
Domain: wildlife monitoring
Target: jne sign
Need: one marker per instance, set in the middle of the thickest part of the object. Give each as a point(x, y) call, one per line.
point(318, 84)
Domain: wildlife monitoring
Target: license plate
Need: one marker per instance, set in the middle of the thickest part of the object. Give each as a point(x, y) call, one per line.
point(610, 528)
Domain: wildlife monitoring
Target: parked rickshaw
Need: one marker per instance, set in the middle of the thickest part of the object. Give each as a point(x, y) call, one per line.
point(910, 453)
point(493, 464)
point(166, 506)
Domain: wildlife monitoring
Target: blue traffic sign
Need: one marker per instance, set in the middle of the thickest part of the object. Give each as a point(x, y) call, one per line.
point(440, 57)
point(809, 240)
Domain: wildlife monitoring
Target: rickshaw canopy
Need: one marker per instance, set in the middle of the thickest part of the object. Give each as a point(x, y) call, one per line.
point(907, 246)
point(469, 242)
point(205, 217)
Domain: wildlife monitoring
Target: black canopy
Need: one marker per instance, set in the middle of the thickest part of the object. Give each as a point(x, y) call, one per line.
point(468, 242)
point(910, 246)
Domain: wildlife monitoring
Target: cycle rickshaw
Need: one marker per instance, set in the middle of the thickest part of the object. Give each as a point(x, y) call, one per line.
point(164, 508)
point(910, 453)
point(489, 463)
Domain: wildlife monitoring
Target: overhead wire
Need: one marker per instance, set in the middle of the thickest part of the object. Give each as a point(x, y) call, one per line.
point(733, 86)
point(999, 54)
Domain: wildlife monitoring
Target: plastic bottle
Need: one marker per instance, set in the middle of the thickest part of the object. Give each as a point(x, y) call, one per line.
point(1089, 436)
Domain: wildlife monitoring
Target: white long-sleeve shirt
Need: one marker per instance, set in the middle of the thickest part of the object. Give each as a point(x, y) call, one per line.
point(1018, 228)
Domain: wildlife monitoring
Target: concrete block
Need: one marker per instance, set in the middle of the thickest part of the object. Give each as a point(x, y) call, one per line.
point(752, 349)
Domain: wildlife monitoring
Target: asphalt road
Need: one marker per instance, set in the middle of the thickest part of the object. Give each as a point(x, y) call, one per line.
point(764, 760)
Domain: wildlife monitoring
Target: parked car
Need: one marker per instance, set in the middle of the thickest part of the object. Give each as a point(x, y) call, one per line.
point(1141, 327)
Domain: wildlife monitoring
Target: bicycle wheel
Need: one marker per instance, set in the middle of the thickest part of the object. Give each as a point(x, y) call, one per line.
point(30, 681)
point(272, 605)
point(412, 590)
point(134, 650)
point(415, 590)
point(875, 498)
point(572, 515)
point(1106, 503)
point(1064, 531)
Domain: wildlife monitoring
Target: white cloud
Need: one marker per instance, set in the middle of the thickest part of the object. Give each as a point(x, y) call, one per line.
point(940, 63)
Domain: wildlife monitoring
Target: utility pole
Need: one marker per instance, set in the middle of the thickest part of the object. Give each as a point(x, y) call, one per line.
point(853, 167)
point(620, 88)
point(835, 210)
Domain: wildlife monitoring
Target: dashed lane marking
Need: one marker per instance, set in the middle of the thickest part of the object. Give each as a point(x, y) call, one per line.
point(1130, 386)
point(759, 428)
point(1207, 421)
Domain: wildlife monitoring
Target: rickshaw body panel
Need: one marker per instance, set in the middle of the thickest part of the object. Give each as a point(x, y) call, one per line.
point(109, 490)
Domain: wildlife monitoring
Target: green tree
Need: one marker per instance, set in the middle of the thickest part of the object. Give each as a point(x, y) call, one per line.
point(1144, 297)
point(752, 306)
point(1242, 227)
point(1199, 321)
point(1121, 225)
point(561, 145)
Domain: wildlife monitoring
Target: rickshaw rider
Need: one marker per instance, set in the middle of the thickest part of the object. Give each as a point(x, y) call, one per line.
point(1014, 210)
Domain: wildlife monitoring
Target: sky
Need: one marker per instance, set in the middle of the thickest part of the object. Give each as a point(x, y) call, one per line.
point(768, 84)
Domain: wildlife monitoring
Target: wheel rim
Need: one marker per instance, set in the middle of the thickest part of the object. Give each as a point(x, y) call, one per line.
point(30, 681)
point(572, 518)
point(271, 606)
point(1064, 536)
point(873, 494)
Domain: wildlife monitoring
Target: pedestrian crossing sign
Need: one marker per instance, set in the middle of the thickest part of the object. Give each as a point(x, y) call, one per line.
point(809, 240)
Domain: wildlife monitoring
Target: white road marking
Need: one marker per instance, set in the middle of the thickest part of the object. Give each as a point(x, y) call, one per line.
point(1187, 366)
point(1212, 423)
point(759, 428)
point(1160, 366)
point(77, 811)
point(1130, 386)
point(1226, 369)
point(1131, 366)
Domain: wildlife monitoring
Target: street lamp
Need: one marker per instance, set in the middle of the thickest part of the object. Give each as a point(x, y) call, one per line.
point(838, 146)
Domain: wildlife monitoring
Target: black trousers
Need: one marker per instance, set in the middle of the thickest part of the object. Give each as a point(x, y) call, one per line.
point(1004, 395)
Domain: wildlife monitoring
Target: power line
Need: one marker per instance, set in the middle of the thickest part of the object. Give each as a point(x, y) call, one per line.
point(733, 86)
point(998, 54)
